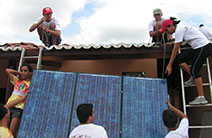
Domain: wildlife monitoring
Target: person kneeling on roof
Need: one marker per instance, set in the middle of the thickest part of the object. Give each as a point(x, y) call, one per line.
point(48, 28)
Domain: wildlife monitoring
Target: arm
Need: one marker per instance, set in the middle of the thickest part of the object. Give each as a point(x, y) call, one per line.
point(36, 25)
point(154, 33)
point(54, 28)
point(184, 123)
point(177, 111)
point(17, 101)
point(173, 56)
point(11, 74)
point(53, 32)
point(168, 44)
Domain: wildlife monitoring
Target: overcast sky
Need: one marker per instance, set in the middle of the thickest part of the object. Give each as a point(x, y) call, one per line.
point(97, 21)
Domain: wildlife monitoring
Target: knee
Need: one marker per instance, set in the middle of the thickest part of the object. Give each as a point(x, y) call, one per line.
point(180, 64)
point(39, 29)
point(158, 25)
point(179, 60)
point(52, 26)
point(183, 65)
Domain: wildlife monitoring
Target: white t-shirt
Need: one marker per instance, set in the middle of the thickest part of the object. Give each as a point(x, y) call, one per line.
point(181, 131)
point(153, 23)
point(190, 35)
point(206, 32)
point(47, 24)
point(88, 131)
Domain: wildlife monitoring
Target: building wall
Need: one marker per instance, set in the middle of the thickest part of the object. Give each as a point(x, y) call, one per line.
point(109, 67)
point(3, 75)
point(112, 67)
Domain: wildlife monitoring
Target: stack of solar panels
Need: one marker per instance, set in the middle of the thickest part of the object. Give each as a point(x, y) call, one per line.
point(126, 107)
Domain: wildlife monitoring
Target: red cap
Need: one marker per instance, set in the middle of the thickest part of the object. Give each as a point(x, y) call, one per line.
point(47, 10)
point(165, 23)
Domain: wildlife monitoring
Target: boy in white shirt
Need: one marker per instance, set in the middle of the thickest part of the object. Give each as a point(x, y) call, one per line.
point(170, 119)
point(87, 129)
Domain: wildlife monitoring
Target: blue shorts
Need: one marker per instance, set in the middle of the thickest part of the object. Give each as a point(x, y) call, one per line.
point(58, 40)
point(49, 39)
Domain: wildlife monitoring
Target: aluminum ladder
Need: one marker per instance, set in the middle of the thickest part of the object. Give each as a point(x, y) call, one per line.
point(23, 57)
point(185, 106)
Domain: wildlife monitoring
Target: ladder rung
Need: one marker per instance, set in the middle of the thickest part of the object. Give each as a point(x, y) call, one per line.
point(30, 57)
point(204, 84)
point(200, 126)
point(198, 105)
point(184, 48)
point(204, 65)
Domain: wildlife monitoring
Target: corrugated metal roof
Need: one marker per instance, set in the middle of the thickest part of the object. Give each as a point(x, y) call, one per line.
point(19, 46)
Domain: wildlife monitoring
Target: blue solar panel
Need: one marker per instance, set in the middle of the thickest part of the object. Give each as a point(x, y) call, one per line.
point(104, 92)
point(143, 104)
point(48, 106)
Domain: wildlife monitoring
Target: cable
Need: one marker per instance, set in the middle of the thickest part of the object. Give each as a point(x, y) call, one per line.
point(164, 52)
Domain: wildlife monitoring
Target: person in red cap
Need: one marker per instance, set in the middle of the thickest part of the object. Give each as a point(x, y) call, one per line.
point(200, 50)
point(48, 28)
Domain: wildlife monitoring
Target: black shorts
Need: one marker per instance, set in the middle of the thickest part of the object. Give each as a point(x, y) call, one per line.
point(15, 112)
point(197, 58)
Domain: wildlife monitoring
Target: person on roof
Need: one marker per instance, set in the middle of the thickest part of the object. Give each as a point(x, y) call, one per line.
point(170, 120)
point(205, 31)
point(155, 27)
point(48, 28)
point(200, 50)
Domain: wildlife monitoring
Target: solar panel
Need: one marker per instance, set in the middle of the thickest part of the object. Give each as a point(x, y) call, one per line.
point(104, 92)
point(143, 104)
point(48, 105)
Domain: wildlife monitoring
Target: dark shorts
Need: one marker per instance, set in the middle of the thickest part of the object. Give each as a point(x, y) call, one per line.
point(195, 57)
point(58, 40)
point(49, 39)
point(162, 38)
point(15, 112)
